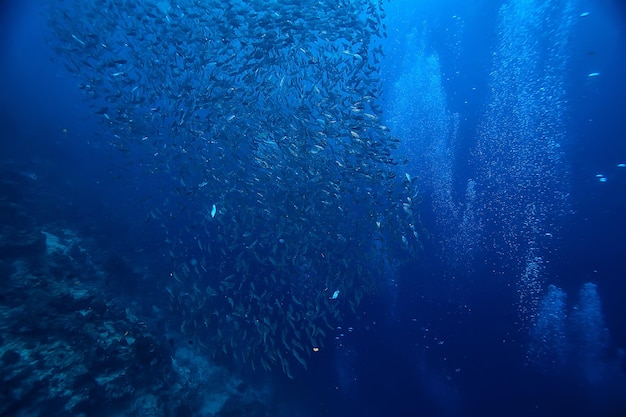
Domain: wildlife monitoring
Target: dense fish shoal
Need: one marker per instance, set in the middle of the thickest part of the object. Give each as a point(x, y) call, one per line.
point(281, 205)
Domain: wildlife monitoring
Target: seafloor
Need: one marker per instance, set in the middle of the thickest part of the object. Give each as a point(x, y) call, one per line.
point(72, 345)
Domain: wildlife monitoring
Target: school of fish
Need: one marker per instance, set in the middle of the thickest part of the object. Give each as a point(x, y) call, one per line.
point(281, 202)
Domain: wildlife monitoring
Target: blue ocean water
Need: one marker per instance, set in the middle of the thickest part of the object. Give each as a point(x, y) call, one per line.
point(202, 215)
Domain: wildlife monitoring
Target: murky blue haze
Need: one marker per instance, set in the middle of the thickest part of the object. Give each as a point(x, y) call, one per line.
point(314, 208)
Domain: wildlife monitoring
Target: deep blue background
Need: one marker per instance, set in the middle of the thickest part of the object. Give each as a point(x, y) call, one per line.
point(395, 351)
